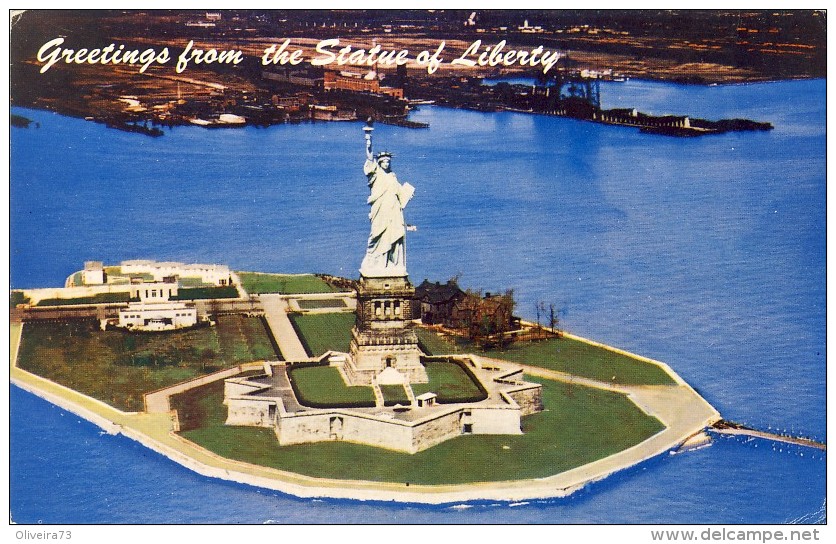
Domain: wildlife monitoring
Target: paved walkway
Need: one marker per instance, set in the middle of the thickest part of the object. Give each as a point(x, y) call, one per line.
point(275, 311)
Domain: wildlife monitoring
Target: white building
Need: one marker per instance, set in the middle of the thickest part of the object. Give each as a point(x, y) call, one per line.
point(93, 273)
point(215, 274)
point(159, 316)
point(154, 291)
point(155, 311)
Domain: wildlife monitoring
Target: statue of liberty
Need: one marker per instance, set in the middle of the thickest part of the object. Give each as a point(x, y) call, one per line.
point(385, 252)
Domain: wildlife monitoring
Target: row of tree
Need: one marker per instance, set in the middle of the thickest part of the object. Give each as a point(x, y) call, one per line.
point(546, 317)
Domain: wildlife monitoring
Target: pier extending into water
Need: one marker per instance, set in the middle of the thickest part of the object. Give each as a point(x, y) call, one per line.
point(729, 427)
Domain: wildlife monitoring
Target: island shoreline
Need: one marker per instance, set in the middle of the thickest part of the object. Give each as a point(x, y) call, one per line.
point(156, 432)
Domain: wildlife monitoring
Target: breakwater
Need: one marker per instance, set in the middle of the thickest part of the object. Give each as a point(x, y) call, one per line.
point(729, 427)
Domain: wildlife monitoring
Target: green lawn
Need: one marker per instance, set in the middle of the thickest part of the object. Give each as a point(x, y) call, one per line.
point(564, 354)
point(323, 387)
point(579, 425)
point(193, 282)
point(323, 332)
point(450, 382)
point(432, 343)
point(289, 284)
point(583, 359)
point(117, 367)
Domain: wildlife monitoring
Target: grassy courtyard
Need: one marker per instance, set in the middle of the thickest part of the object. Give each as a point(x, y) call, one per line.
point(450, 382)
point(288, 284)
point(117, 367)
point(564, 354)
point(323, 387)
point(580, 425)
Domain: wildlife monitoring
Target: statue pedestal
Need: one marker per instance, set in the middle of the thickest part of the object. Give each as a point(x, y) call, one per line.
point(381, 338)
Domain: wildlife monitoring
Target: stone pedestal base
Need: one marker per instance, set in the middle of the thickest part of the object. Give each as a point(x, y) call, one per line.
point(374, 352)
point(381, 337)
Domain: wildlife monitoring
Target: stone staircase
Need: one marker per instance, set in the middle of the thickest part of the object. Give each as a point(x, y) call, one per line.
point(379, 401)
point(410, 394)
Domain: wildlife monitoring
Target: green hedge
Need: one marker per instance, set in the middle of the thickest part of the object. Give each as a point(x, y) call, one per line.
point(321, 304)
point(101, 298)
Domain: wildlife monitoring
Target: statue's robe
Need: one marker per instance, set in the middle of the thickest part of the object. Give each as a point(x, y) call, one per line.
point(387, 199)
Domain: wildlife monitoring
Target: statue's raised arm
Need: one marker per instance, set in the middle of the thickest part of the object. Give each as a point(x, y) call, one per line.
point(385, 252)
point(368, 129)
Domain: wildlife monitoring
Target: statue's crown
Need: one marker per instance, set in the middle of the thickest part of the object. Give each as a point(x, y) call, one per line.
point(383, 154)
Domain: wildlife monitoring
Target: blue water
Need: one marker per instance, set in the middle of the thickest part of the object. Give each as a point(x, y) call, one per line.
point(708, 254)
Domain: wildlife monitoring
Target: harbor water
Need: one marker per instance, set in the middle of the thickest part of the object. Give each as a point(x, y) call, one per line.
point(706, 253)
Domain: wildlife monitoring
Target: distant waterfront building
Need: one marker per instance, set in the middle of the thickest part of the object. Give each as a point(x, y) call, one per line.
point(294, 77)
point(352, 81)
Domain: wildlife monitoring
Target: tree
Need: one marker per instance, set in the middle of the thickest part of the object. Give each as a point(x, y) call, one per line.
point(552, 318)
point(540, 308)
point(537, 306)
point(490, 318)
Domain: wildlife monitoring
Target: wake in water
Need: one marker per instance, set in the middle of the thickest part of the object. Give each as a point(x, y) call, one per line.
point(817, 517)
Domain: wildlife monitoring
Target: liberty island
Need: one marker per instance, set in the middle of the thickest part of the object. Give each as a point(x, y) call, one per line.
point(387, 362)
